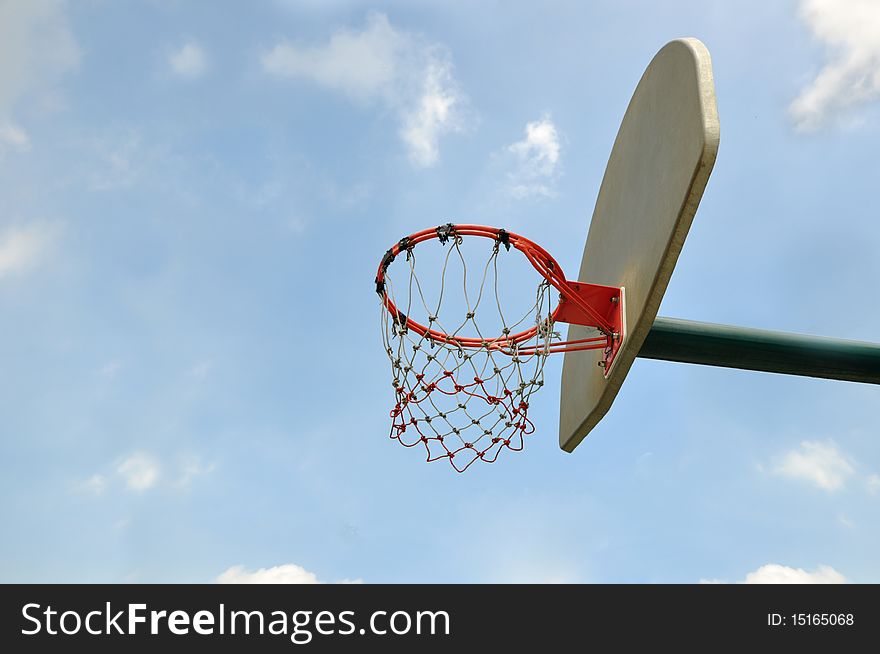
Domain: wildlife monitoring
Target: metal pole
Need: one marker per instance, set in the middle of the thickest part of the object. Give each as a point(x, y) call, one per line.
point(687, 341)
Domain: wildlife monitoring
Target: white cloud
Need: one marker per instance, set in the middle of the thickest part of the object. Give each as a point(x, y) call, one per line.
point(424, 124)
point(296, 224)
point(193, 467)
point(549, 570)
point(773, 573)
point(139, 470)
point(819, 463)
point(850, 31)
point(118, 159)
point(289, 573)
point(314, 6)
point(380, 64)
point(362, 64)
point(13, 137)
point(96, 484)
point(874, 484)
point(190, 60)
point(201, 370)
point(536, 161)
point(22, 247)
point(110, 369)
point(36, 46)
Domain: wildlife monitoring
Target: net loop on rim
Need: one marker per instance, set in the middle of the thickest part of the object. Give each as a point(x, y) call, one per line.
point(461, 394)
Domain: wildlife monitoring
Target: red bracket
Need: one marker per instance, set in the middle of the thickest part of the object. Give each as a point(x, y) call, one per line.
point(609, 303)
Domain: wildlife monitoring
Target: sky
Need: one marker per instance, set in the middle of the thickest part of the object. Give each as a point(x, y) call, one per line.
point(194, 198)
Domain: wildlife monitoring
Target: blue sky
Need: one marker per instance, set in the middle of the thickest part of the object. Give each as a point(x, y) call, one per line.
point(193, 201)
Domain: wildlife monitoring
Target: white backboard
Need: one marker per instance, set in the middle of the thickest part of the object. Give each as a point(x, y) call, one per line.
point(659, 165)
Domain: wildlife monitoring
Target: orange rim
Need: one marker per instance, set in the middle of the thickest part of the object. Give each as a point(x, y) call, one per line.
point(541, 261)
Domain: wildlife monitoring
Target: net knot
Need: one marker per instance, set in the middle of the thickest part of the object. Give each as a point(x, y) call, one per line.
point(503, 238)
point(404, 245)
point(444, 232)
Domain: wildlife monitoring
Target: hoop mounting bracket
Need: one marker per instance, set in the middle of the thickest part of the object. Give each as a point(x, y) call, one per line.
point(608, 302)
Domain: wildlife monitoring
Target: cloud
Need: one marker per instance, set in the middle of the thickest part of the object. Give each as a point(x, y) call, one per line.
point(874, 484)
point(36, 46)
point(189, 61)
point(110, 369)
point(13, 137)
point(361, 64)
point(193, 467)
point(201, 370)
point(379, 64)
point(424, 124)
point(773, 573)
point(117, 161)
point(139, 470)
point(850, 31)
point(536, 161)
point(296, 224)
point(96, 484)
point(545, 571)
point(22, 247)
point(819, 463)
point(289, 573)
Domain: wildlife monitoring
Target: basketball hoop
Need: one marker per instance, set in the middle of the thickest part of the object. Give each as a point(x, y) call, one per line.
point(462, 394)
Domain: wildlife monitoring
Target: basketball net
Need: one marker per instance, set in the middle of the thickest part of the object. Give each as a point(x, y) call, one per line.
point(461, 399)
point(461, 392)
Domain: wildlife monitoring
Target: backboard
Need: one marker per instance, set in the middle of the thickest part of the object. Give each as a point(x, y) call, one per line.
point(659, 165)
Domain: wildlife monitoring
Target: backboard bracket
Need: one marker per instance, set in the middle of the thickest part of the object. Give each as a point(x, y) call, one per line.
point(609, 303)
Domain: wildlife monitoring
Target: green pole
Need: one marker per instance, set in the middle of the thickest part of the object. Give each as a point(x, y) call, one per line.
point(687, 341)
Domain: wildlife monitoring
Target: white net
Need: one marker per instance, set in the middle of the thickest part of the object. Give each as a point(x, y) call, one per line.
point(462, 391)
